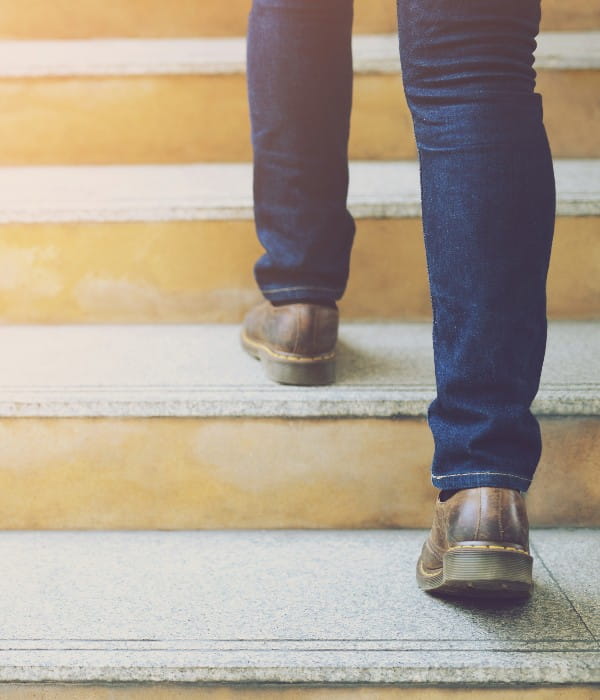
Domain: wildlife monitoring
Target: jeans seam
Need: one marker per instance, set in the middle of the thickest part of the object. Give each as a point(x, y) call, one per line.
point(513, 476)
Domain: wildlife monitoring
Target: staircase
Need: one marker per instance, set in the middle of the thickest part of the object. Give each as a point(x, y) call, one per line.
point(174, 525)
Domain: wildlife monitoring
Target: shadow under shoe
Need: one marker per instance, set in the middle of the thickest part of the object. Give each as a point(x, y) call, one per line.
point(295, 342)
point(478, 546)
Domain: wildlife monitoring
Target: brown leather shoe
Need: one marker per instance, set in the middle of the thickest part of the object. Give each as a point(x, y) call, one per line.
point(295, 342)
point(478, 546)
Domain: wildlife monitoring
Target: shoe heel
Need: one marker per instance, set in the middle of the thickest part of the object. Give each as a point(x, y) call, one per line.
point(488, 570)
point(301, 373)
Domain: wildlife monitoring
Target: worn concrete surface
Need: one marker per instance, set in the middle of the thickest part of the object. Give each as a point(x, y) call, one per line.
point(223, 191)
point(288, 606)
point(384, 370)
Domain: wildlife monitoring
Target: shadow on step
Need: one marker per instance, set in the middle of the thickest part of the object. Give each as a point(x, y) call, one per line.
point(380, 365)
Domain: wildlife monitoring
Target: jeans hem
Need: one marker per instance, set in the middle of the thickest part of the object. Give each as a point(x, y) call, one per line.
point(483, 478)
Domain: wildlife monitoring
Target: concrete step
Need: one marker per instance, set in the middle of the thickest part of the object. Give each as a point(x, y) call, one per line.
point(91, 434)
point(177, 244)
point(290, 607)
point(79, 102)
point(190, 18)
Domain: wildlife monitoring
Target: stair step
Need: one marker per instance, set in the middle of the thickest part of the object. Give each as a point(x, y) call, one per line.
point(374, 53)
point(80, 101)
point(177, 244)
point(335, 607)
point(384, 370)
point(152, 18)
point(213, 192)
point(103, 444)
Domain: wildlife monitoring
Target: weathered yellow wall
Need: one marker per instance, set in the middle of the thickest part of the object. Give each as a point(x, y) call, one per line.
point(174, 473)
point(154, 18)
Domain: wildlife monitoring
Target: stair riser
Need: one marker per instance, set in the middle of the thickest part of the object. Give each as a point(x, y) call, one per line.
point(283, 692)
point(202, 271)
point(189, 118)
point(154, 18)
point(168, 473)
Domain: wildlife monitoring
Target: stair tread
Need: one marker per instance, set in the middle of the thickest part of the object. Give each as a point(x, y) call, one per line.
point(372, 53)
point(284, 606)
point(223, 191)
point(384, 369)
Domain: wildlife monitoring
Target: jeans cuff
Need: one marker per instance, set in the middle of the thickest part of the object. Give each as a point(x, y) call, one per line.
point(474, 479)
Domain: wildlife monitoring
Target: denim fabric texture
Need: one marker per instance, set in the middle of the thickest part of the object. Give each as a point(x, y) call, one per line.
point(488, 202)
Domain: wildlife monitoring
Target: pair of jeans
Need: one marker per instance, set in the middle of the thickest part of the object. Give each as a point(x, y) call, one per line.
point(488, 201)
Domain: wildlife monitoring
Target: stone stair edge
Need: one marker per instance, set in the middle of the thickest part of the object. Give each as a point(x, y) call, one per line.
point(100, 371)
point(378, 53)
point(413, 668)
point(223, 191)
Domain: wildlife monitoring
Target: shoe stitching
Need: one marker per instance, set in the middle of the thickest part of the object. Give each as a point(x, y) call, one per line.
point(487, 546)
point(288, 358)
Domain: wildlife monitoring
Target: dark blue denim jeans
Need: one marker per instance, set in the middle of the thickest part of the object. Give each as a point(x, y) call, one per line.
point(487, 193)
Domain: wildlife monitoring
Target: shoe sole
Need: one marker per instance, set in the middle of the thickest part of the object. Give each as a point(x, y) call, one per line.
point(292, 369)
point(480, 571)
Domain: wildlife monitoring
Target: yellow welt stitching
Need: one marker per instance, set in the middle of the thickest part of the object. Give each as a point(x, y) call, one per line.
point(288, 358)
point(487, 546)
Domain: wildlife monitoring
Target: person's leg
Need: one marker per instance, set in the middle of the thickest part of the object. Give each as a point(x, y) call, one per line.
point(488, 216)
point(300, 93)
